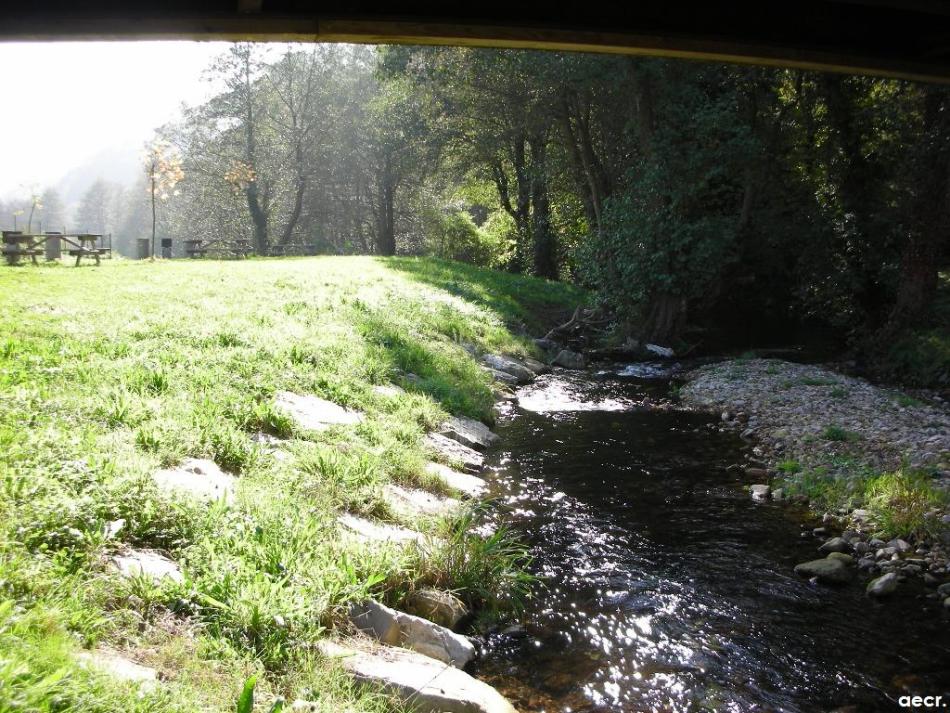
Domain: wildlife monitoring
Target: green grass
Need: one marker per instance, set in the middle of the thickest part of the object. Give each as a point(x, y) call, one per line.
point(108, 373)
point(837, 433)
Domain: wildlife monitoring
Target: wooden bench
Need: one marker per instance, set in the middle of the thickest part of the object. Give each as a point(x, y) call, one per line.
point(97, 253)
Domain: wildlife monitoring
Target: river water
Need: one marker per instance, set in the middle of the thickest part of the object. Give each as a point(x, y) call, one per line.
point(664, 587)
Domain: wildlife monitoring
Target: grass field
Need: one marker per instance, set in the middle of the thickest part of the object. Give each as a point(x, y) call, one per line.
point(109, 373)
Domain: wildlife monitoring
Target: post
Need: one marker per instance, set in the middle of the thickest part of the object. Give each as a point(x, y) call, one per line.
point(54, 246)
point(143, 249)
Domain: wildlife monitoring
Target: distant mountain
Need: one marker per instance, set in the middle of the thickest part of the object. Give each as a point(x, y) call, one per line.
point(116, 164)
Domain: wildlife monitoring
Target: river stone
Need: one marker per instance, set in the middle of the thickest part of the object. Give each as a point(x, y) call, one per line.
point(443, 608)
point(835, 544)
point(313, 413)
point(536, 366)
point(427, 685)
point(151, 564)
point(883, 585)
point(501, 376)
point(778, 495)
point(829, 571)
point(413, 503)
point(861, 548)
point(469, 432)
point(760, 491)
point(944, 590)
point(470, 459)
point(946, 603)
point(570, 360)
point(379, 532)
point(412, 632)
point(466, 484)
point(197, 477)
point(841, 557)
point(523, 374)
point(114, 664)
point(900, 545)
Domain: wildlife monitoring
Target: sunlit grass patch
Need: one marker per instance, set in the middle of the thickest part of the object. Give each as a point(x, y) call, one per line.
point(902, 502)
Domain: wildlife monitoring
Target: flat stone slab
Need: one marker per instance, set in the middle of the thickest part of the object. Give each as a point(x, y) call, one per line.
point(469, 432)
point(470, 459)
point(427, 685)
point(313, 413)
point(469, 485)
point(397, 628)
point(145, 562)
point(388, 390)
point(509, 366)
point(442, 608)
point(197, 477)
point(114, 664)
point(378, 531)
point(413, 503)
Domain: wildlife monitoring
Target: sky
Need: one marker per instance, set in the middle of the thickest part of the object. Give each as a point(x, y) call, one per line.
point(67, 101)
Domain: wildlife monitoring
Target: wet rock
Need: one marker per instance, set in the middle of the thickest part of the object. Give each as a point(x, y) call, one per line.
point(536, 366)
point(137, 563)
point(861, 548)
point(443, 608)
point(411, 632)
point(835, 544)
point(501, 376)
point(119, 667)
point(944, 590)
point(930, 580)
point(198, 478)
point(664, 352)
point(427, 685)
point(570, 360)
point(470, 459)
point(370, 531)
point(469, 485)
point(841, 557)
point(519, 371)
point(828, 571)
point(411, 503)
point(900, 545)
point(875, 543)
point(313, 413)
point(866, 563)
point(883, 585)
point(469, 432)
point(760, 491)
point(946, 603)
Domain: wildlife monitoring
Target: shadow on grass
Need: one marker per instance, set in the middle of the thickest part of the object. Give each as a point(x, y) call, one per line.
point(538, 304)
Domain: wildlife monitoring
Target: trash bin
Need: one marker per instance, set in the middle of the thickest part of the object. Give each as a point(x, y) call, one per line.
point(54, 245)
point(166, 248)
point(143, 249)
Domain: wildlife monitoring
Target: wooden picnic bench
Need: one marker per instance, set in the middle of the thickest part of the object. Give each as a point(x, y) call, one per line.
point(17, 244)
point(84, 245)
point(197, 247)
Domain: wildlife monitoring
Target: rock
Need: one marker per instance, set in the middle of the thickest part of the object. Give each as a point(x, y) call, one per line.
point(861, 516)
point(875, 543)
point(388, 390)
point(883, 585)
point(470, 459)
point(861, 548)
point(828, 571)
point(443, 608)
point(412, 503)
point(313, 413)
point(757, 472)
point(197, 477)
point(548, 345)
point(412, 632)
point(519, 371)
point(379, 532)
point(148, 563)
point(944, 590)
point(469, 485)
point(114, 664)
point(425, 684)
point(760, 491)
point(841, 557)
point(900, 545)
point(570, 360)
point(866, 563)
point(930, 580)
point(819, 531)
point(111, 529)
point(501, 376)
point(536, 366)
point(835, 544)
point(664, 352)
point(946, 603)
point(778, 495)
point(469, 432)
point(911, 570)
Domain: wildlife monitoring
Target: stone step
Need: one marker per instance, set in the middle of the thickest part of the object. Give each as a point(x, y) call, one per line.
point(371, 531)
point(469, 485)
point(199, 478)
point(470, 459)
point(149, 563)
point(397, 628)
point(469, 432)
point(424, 684)
point(412, 503)
point(313, 413)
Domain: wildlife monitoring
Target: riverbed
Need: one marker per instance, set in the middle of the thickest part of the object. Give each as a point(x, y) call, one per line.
point(663, 586)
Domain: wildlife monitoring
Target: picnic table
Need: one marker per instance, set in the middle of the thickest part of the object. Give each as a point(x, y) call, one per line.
point(200, 247)
point(288, 249)
point(17, 244)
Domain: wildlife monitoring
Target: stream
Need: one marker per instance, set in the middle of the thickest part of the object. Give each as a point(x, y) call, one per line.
point(663, 586)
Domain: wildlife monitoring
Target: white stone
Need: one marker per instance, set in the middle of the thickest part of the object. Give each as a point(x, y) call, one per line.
point(313, 413)
point(470, 459)
point(760, 491)
point(397, 628)
point(469, 432)
point(378, 531)
point(429, 686)
point(119, 667)
point(413, 503)
point(145, 562)
point(199, 478)
point(470, 485)
point(665, 352)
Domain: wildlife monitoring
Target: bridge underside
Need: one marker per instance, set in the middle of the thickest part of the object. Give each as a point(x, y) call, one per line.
point(908, 39)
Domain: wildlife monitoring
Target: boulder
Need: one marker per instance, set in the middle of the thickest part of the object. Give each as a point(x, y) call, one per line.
point(760, 491)
point(509, 366)
point(137, 563)
point(469, 485)
point(313, 413)
point(469, 432)
point(413, 503)
point(443, 608)
point(426, 685)
point(828, 571)
point(470, 459)
point(536, 366)
point(198, 478)
point(501, 376)
point(411, 632)
point(883, 585)
point(835, 544)
point(841, 557)
point(114, 664)
point(570, 360)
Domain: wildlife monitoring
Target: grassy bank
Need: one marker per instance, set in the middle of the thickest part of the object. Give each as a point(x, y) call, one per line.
point(107, 374)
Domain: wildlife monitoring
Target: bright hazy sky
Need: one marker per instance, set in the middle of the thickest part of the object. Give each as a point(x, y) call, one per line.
point(71, 100)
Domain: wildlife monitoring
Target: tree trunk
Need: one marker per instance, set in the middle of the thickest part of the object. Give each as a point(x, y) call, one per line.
point(665, 316)
point(385, 222)
point(545, 244)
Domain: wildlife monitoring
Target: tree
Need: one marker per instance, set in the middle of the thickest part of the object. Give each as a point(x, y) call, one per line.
point(163, 172)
